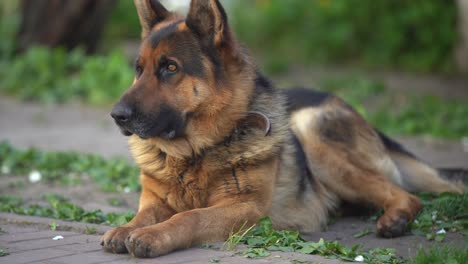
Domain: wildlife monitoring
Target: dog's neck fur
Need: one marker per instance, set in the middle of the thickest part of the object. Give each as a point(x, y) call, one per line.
point(159, 157)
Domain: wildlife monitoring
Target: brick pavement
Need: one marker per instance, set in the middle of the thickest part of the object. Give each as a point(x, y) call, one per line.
point(29, 240)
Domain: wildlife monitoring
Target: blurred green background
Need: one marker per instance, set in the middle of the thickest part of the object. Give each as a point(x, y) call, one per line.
point(378, 55)
point(417, 35)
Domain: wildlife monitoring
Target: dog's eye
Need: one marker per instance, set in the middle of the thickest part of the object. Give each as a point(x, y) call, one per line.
point(171, 67)
point(167, 68)
point(138, 70)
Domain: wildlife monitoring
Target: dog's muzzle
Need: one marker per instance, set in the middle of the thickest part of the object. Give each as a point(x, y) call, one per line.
point(166, 123)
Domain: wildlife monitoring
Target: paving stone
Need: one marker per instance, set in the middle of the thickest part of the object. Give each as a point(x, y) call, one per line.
point(13, 229)
point(82, 247)
point(31, 244)
point(18, 237)
point(202, 256)
point(42, 223)
point(34, 256)
point(190, 255)
point(89, 258)
point(71, 240)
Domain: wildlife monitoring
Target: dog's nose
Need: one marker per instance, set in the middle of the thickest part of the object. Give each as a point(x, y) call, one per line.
point(121, 113)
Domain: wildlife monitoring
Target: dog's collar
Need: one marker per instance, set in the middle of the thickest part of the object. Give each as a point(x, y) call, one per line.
point(253, 120)
point(257, 120)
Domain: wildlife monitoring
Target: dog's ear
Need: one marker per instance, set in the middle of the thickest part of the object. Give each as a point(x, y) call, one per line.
point(150, 13)
point(208, 19)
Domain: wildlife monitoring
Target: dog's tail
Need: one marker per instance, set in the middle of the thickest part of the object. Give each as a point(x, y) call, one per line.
point(454, 174)
point(417, 176)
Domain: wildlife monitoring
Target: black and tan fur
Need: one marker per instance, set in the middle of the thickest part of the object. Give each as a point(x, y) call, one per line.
point(219, 147)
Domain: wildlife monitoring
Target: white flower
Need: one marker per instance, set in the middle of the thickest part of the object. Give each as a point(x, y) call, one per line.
point(359, 258)
point(35, 176)
point(126, 189)
point(5, 169)
point(57, 238)
point(440, 232)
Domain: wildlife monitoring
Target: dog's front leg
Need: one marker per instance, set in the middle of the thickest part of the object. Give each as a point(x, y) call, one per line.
point(152, 211)
point(191, 228)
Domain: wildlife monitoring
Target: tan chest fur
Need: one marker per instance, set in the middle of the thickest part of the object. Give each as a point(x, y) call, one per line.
point(223, 172)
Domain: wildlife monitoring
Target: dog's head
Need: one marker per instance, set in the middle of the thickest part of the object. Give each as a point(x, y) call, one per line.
point(183, 73)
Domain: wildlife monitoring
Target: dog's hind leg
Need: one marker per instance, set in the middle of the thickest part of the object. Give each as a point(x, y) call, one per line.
point(347, 156)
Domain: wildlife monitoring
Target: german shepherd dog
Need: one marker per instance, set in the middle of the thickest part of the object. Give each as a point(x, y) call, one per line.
point(219, 147)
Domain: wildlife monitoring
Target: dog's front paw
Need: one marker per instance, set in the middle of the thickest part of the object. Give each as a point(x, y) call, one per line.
point(114, 239)
point(147, 243)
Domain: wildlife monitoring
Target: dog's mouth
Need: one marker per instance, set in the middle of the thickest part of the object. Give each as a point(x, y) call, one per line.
point(167, 133)
point(125, 131)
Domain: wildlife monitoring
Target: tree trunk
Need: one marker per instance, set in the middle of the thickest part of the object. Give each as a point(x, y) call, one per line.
point(462, 45)
point(67, 23)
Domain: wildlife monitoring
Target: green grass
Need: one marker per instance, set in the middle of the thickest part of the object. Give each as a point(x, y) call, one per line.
point(90, 230)
point(58, 76)
point(236, 238)
point(363, 233)
point(116, 174)
point(425, 115)
point(447, 211)
point(441, 255)
point(123, 23)
point(53, 225)
point(262, 238)
point(411, 35)
point(9, 22)
point(59, 208)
